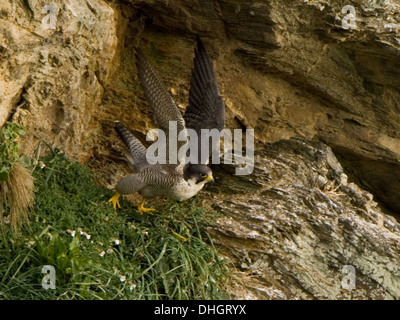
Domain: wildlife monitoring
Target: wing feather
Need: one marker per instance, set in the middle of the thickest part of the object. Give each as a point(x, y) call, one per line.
point(157, 95)
point(206, 108)
point(164, 107)
point(135, 147)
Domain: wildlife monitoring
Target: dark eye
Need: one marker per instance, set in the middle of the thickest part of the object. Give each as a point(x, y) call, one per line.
point(203, 175)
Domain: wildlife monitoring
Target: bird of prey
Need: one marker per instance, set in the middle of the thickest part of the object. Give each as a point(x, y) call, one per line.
point(206, 110)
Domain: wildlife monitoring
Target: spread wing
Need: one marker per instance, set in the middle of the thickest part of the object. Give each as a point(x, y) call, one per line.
point(164, 107)
point(206, 108)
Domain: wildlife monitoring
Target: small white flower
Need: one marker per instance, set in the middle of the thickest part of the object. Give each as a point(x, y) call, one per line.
point(117, 242)
point(122, 278)
point(87, 236)
point(71, 232)
point(102, 254)
point(132, 286)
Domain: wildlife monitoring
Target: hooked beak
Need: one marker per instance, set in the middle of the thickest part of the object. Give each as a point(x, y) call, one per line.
point(210, 178)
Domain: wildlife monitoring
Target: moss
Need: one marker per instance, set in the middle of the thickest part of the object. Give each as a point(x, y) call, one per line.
point(98, 254)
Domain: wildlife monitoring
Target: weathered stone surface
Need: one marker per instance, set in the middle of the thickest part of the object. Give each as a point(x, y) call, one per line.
point(54, 62)
point(296, 222)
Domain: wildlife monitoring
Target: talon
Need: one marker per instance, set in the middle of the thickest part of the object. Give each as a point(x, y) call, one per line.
point(115, 200)
point(143, 210)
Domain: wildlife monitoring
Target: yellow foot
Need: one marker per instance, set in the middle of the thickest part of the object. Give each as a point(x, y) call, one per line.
point(115, 200)
point(143, 210)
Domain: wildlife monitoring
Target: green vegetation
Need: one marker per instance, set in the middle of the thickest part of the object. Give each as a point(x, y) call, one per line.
point(98, 254)
point(16, 182)
point(9, 148)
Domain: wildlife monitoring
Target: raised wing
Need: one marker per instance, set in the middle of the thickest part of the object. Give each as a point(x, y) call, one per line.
point(157, 95)
point(206, 108)
point(164, 107)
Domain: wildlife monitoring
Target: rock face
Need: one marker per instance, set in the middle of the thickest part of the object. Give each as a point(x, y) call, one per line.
point(297, 229)
point(286, 69)
point(54, 61)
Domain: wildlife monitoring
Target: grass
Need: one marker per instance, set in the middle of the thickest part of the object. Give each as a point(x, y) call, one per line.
point(98, 254)
point(16, 182)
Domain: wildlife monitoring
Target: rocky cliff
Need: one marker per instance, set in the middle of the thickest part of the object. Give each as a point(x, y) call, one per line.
point(319, 70)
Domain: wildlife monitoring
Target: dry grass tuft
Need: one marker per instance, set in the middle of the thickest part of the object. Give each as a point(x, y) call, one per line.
point(17, 194)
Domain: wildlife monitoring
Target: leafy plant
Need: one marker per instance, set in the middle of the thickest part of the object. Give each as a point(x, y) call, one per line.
point(9, 148)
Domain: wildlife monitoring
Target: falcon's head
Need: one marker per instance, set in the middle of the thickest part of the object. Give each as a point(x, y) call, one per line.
point(198, 173)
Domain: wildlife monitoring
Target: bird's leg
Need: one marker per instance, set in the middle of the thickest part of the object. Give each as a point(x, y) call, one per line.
point(115, 200)
point(142, 209)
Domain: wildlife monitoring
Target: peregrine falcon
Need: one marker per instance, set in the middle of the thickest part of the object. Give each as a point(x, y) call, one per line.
point(206, 110)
